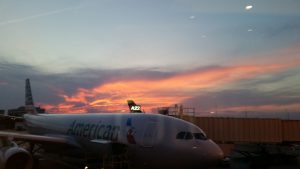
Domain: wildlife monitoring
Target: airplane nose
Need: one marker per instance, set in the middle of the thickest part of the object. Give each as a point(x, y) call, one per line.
point(211, 152)
point(204, 153)
point(215, 154)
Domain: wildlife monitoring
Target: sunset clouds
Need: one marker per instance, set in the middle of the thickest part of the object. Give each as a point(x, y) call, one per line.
point(253, 85)
point(178, 87)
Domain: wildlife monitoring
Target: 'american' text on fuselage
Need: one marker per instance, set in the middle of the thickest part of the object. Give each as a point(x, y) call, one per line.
point(94, 131)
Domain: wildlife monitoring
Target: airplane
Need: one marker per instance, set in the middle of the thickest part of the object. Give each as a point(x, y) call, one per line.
point(135, 140)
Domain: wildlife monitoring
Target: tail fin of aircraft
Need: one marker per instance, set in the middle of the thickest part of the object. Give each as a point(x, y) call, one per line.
point(29, 104)
point(134, 108)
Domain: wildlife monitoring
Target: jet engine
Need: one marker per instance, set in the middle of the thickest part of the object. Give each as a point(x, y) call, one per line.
point(15, 158)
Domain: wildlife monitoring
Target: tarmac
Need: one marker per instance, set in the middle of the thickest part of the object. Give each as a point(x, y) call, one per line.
point(235, 164)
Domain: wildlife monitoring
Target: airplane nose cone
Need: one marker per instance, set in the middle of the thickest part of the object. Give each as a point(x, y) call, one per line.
point(213, 154)
point(204, 153)
point(217, 154)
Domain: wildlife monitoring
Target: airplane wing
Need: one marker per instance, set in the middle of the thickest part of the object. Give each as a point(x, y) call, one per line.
point(14, 136)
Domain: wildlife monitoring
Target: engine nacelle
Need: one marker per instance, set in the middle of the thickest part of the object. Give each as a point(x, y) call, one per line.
point(15, 158)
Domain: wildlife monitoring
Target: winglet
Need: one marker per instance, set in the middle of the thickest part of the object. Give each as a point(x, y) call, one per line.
point(29, 104)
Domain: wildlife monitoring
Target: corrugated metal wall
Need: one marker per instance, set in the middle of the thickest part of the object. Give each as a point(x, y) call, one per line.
point(226, 130)
point(291, 130)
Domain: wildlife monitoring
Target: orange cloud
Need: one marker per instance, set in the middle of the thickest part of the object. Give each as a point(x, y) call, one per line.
point(112, 96)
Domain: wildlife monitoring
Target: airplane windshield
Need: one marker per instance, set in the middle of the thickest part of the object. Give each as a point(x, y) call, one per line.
point(200, 136)
point(188, 136)
point(180, 135)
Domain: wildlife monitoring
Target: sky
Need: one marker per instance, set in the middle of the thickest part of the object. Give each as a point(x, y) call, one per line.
point(93, 55)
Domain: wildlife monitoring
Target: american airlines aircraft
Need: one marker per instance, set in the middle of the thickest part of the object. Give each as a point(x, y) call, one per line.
point(135, 140)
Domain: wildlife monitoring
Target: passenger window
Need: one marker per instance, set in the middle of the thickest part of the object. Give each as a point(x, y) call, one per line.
point(180, 135)
point(200, 136)
point(189, 136)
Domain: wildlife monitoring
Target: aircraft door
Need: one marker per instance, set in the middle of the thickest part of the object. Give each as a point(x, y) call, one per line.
point(150, 134)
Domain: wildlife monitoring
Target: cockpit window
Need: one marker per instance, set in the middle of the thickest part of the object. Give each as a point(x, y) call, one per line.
point(180, 135)
point(189, 136)
point(184, 135)
point(200, 136)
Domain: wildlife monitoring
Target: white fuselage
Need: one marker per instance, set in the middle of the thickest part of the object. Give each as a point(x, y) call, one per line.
point(152, 140)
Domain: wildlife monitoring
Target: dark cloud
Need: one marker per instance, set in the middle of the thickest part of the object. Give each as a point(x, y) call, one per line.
point(12, 94)
point(241, 97)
